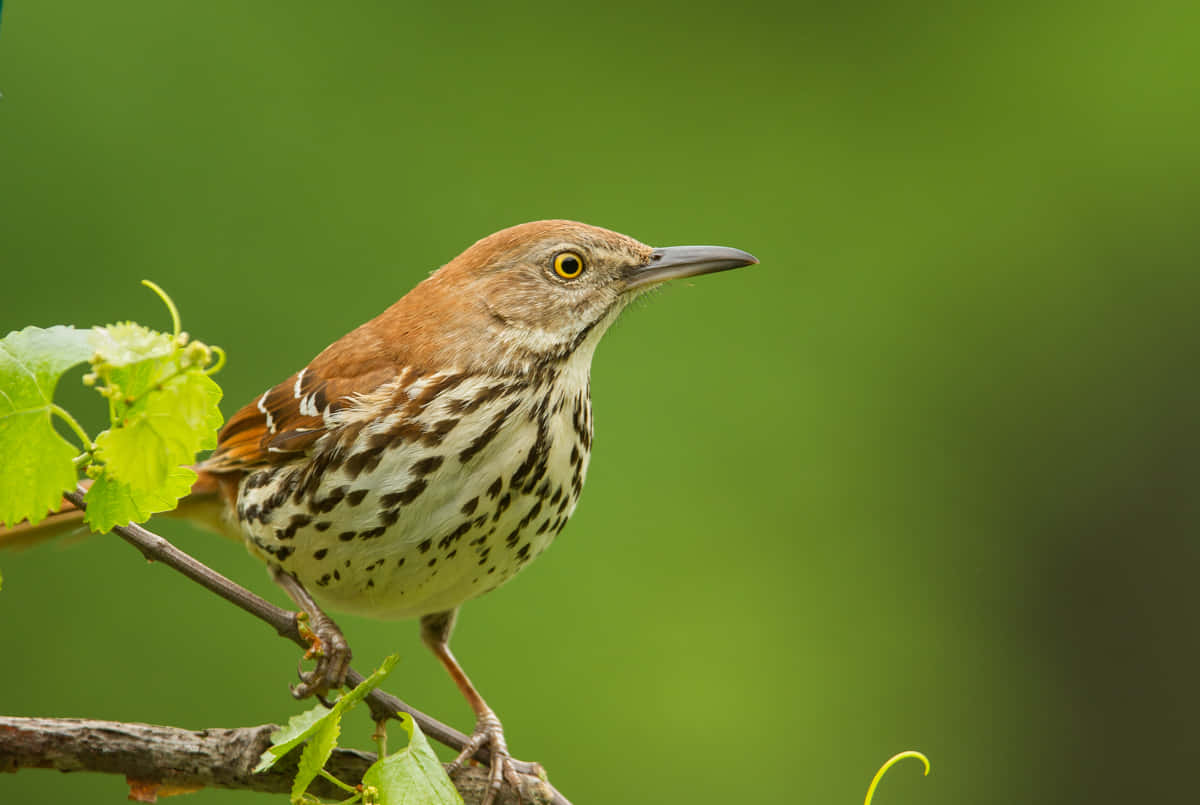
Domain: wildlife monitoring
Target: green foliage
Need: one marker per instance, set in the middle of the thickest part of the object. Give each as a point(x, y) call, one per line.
point(37, 462)
point(162, 407)
point(410, 775)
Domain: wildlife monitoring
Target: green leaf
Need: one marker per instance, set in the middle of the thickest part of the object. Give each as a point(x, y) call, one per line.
point(126, 343)
point(193, 398)
point(305, 725)
point(163, 414)
point(36, 460)
point(298, 729)
point(412, 776)
point(318, 749)
point(112, 503)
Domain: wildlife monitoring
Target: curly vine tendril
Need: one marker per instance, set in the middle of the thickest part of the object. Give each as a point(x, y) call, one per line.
point(892, 761)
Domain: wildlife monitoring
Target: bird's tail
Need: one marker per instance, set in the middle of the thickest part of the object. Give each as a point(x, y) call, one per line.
point(204, 506)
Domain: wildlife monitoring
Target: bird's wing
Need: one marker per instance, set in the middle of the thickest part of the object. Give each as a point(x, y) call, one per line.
point(283, 423)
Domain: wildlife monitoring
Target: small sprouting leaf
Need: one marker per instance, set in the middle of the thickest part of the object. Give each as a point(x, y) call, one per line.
point(318, 749)
point(298, 729)
point(37, 461)
point(413, 775)
point(126, 343)
point(367, 685)
point(112, 503)
point(306, 725)
point(164, 410)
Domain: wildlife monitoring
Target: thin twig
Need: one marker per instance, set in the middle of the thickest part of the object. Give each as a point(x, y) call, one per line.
point(158, 760)
point(383, 705)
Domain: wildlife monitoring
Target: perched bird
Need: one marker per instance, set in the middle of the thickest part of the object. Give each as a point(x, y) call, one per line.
point(427, 456)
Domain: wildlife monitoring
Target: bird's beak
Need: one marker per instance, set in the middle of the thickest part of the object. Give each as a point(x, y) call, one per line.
point(676, 262)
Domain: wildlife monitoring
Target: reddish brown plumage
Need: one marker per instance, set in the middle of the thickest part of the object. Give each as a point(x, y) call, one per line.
point(443, 322)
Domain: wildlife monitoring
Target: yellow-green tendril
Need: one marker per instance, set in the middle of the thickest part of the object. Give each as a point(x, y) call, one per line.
point(216, 367)
point(166, 301)
point(339, 783)
point(75, 426)
point(892, 761)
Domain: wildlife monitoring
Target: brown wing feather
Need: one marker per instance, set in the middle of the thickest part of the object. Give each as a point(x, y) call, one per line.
point(282, 424)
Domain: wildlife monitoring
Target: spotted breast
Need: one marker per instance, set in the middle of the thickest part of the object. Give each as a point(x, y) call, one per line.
point(445, 498)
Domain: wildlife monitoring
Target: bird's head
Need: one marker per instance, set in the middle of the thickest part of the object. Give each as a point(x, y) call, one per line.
point(543, 290)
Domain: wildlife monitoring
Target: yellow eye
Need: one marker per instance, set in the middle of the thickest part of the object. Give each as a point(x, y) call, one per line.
point(568, 265)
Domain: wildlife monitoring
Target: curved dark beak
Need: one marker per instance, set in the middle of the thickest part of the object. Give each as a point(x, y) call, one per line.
point(676, 262)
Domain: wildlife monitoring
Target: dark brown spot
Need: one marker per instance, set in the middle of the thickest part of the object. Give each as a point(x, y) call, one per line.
point(366, 460)
point(513, 536)
point(321, 582)
point(487, 395)
point(372, 533)
point(284, 552)
point(425, 545)
point(530, 515)
point(495, 488)
point(329, 503)
point(400, 562)
point(432, 561)
point(438, 432)
point(455, 535)
point(468, 508)
point(356, 497)
point(427, 465)
point(501, 505)
point(481, 441)
point(545, 524)
point(523, 552)
point(323, 525)
point(346, 536)
point(406, 495)
point(320, 554)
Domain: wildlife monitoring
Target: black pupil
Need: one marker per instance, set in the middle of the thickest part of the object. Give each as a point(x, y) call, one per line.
point(570, 265)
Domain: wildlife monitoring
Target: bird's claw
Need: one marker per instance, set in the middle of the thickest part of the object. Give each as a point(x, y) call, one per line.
point(489, 733)
point(329, 648)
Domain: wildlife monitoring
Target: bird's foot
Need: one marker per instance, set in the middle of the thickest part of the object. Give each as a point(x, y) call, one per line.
point(328, 646)
point(489, 733)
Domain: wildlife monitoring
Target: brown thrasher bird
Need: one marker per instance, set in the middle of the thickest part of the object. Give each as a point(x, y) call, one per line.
point(427, 456)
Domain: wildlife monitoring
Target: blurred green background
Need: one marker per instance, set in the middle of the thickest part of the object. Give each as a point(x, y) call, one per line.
point(925, 478)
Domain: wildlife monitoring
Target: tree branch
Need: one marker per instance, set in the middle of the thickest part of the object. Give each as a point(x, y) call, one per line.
point(158, 759)
point(383, 705)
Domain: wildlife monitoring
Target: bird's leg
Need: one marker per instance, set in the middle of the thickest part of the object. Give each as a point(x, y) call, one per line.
point(435, 632)
point(329, 646)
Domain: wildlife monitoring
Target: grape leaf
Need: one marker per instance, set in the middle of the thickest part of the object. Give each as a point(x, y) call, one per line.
point(318, 749)
point(37, 461)
point(163, 411)
point(303, 726)
point(126, 343)
point(413, 775)
point(299, 729)
point(112, 503)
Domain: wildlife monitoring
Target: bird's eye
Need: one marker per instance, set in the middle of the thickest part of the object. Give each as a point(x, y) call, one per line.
point(568, 265)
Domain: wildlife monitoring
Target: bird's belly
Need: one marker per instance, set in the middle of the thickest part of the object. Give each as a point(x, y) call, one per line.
point(428, 526)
